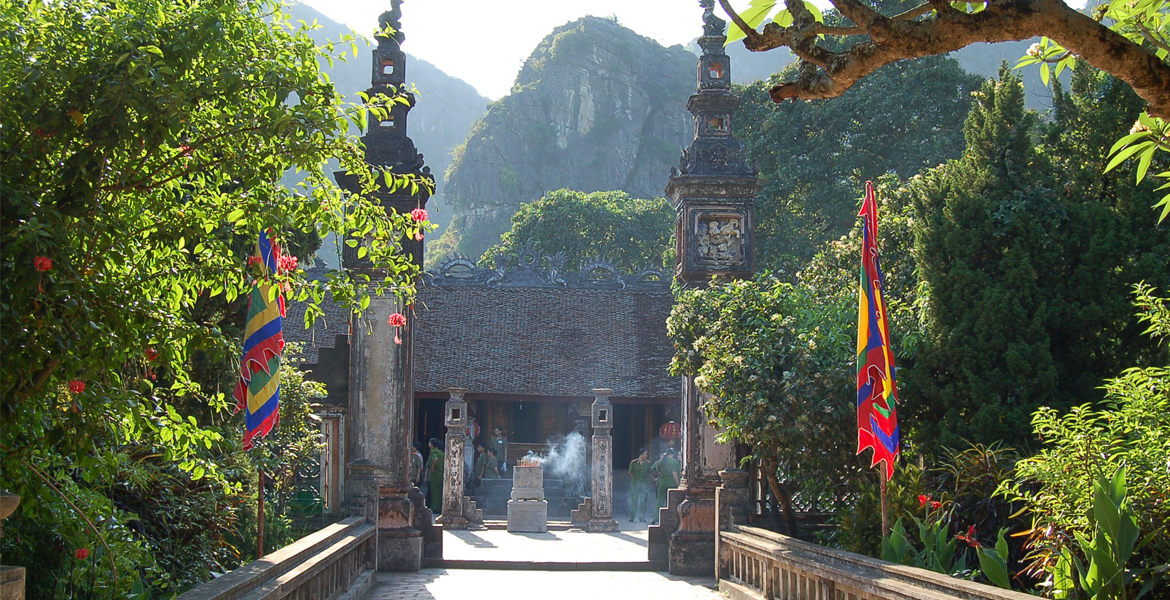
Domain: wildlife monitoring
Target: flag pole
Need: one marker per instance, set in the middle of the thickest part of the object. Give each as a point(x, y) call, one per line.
point(260, 516)
point(885, 505)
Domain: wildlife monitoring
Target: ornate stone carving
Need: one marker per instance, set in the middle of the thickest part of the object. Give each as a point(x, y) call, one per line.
point(720, 239)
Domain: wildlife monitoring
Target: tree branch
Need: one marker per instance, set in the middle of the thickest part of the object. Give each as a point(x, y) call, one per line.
point(1151, 38)
point(893, 39)
point(749, 32)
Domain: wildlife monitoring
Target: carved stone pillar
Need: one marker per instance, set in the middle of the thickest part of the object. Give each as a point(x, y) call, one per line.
point(11, 578)
point(713, 192)
point(456, 420)
point(602, 463)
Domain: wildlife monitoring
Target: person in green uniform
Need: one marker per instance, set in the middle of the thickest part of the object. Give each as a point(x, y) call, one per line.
point(668, 469)
point(640, 486)
point(435, 474)
point(481, 459)
point(500, 443)
point(491, 469)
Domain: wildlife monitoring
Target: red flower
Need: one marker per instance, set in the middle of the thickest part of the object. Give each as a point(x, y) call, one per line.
point(77, 386)
point(254, 260)
point(923, 499)
point(82, 553)
point(419, 214)
point(288, 262)
point(151, 354)
point(935, 505)
point(971, 531)
point(396, 320)
point(42, 263)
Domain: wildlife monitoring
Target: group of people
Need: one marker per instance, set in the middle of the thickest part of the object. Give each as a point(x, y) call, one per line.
point(427, 473)
point(645, 478)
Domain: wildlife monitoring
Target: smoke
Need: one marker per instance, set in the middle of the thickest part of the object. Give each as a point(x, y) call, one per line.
point(565, 461)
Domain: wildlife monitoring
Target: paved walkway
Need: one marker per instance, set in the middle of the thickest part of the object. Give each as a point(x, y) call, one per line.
point(459, 584)
point(574, 545)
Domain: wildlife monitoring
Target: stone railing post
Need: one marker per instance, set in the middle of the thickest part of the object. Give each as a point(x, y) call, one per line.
point(456, 421)
point(602, 463)
point(11, 578)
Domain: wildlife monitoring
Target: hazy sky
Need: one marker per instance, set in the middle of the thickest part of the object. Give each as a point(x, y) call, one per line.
point(485, 42)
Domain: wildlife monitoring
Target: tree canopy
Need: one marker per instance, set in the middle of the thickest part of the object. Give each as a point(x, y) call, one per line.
point(144, 142)
point(634, 234)
point(1127, 39)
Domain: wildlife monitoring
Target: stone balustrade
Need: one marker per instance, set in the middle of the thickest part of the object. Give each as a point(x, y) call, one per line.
point(756, 564)
point(335, 563)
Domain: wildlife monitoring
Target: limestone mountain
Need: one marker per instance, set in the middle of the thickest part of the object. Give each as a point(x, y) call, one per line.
point(446, 108)
point(596, 107)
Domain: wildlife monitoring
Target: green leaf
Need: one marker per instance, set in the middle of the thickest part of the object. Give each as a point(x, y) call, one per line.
point(1125, 154)
point(1044, 73)
point(994, 568)
point(1144, 163)
point(753, 16)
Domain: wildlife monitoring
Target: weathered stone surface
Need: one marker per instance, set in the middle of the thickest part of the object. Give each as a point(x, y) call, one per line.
point(595, 107)
point(11, 583)
point(453, 499)
point(528, 516)
point(528, 483)
point(602, 463)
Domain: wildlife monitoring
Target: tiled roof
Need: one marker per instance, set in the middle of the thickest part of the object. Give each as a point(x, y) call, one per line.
point(334, 322)
point(543, 341)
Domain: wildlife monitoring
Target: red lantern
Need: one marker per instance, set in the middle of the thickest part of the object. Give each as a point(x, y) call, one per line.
point(471, 430)
point(670, 431)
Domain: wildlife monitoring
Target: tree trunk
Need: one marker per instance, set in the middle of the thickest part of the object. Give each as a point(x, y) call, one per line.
point(781, 496)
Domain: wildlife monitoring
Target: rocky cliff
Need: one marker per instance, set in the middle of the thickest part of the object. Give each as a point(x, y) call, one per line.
point(446, 108)
point(595, 107)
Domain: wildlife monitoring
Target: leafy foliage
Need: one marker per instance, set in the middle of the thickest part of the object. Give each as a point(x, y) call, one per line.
point(144, 142)
point(814, 156)
point(635, 234)
point(1024, 254)
point(1085, 445)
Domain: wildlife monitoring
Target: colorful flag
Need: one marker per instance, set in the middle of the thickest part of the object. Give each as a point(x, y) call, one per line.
point(258, 390)
point(877, 394)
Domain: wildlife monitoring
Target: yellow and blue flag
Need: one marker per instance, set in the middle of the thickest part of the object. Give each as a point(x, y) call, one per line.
point(877, 393)
point(258, 390)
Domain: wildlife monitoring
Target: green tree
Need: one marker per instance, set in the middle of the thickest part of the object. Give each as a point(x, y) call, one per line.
point(773, 361)
point(814, 156)
point(143, 146)
point(635, 234)
point(1129, 430)
point(1024, 268)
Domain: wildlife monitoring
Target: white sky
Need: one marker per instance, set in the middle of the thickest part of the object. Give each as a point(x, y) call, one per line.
point(485, 42)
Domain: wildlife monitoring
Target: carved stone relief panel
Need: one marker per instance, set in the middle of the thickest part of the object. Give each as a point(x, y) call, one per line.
point(719, 238)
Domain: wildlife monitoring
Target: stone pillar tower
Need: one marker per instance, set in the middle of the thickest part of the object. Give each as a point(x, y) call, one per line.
point(380, 427)
point(456, 421)
point(713, 194)
point(602, 463)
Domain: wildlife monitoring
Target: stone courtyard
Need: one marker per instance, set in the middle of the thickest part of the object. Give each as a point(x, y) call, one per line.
point(441, 584)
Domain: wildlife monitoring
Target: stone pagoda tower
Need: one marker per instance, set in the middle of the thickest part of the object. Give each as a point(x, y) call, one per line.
point(713, 194)
point(380, 419)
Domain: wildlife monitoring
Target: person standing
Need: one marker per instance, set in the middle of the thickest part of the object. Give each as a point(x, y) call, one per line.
point(668, 469)
point(500, 444)
point(480, 463)
point(416, 473)
point(491, 467)
point(640, 486)
point(435, 474)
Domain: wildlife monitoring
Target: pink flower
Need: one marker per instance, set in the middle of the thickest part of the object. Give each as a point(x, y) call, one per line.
point(419, 214)
point(397, 340)
point(288, 262)
point(82, 553)
point(42, 263)
point(418, 236)
point(77, 386)
point(396, 320)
